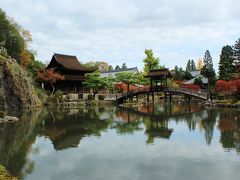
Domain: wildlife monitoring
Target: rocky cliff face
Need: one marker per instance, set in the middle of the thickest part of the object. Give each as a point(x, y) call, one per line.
point(16, 89)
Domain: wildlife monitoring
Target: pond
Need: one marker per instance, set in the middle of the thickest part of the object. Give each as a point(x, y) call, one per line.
point(160, 141)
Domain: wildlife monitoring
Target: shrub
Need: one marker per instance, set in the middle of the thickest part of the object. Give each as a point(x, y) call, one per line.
point(90, 97)
point(101, 97)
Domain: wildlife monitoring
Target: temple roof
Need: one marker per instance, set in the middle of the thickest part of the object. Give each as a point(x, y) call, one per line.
point(159, 73)
point(68, 62)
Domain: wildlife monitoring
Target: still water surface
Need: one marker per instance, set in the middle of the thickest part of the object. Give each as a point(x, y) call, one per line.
point(149, 142)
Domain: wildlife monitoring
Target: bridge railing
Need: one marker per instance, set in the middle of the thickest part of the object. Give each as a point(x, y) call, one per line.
point(198, 93)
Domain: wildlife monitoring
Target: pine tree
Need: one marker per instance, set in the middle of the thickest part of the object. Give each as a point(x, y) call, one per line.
point(236, 50)
point(226, 64)
point(208, 70)
point(124, 66)
point(188, 67)
point(150, 62)
point(193, 66)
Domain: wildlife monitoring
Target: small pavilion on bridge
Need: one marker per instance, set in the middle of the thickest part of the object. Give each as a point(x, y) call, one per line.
point(159, 76)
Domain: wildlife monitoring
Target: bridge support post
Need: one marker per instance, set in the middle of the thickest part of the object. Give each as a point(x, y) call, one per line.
point(170, 97)
point(165, 96)
point(153, 96)
point(147, 97)
point(189, 99)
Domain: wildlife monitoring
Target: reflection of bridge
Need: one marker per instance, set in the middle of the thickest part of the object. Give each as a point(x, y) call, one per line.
point(203, 95)
point(159, 117)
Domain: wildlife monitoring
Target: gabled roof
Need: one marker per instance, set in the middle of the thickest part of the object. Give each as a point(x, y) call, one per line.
point(159, 73)
point(191, 81)
point(68, 62)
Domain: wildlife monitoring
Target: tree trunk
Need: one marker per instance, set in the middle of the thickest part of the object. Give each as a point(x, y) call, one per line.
point(53, 89)
point(128, 88)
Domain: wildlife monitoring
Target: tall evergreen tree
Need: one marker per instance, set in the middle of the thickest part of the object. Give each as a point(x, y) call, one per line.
point(124, 66)
point(188, 67)
point(193, 66)
point(226, 64)
point(236, 50)
point(150, 62)
point(208, 70)
point(117, 67)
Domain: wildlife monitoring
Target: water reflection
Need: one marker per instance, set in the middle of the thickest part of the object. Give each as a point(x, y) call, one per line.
point(66, 128)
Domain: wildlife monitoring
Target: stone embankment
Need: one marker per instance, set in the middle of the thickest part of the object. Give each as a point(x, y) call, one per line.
point(16, 88)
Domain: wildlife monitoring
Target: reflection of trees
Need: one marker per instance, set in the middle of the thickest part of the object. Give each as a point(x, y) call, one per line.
point(229, 125)
point(66, 128)
point(15, 143)
point(208, 124)
point(126, 122)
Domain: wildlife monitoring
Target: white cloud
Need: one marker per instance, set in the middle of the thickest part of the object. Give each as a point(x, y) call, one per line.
point(118, 31)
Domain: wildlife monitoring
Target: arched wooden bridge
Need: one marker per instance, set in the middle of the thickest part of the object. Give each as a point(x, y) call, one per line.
point(203, 95)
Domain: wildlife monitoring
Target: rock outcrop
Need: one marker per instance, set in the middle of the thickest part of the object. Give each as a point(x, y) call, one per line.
point(16, 88)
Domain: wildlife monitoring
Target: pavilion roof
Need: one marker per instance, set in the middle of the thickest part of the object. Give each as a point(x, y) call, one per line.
point(68, 62)
point(159, 73)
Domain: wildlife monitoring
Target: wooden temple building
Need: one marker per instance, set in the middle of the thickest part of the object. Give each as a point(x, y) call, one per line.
point(72, 71)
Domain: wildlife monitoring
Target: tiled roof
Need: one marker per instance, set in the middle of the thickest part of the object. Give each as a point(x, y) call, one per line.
point(69, 62)
point(159, 72)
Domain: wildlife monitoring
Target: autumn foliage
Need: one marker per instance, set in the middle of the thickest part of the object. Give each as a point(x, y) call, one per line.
point(194, 87)
point(228, 87)
point(122, 87)
point(50, 76)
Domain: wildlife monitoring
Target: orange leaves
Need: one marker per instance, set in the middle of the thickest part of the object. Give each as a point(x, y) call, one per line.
point(49, 75)
point(194, 87)
point(122, 87)
point(227, 87)
point(25, 58)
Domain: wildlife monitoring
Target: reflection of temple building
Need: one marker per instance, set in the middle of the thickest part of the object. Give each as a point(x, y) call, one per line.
point(66, 130)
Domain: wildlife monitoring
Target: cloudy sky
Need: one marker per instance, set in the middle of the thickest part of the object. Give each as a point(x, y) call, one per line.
point(118, 31)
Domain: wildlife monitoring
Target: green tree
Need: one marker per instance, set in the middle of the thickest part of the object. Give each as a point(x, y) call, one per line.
point(188, 67)
point(198, 81)
point(193, 66)
point(236, 50)
point(207, 70)
point(127, 78)
point(117, 67)
point(10, 37)
point(110, 68)
point(95, 82)
point(226, 64)
point(109, 83)
point(150, 62)
point(178, 73)
point(140, 79)
point(124, 66)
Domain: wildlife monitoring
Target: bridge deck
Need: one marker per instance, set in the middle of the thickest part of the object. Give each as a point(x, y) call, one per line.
point(197, 94)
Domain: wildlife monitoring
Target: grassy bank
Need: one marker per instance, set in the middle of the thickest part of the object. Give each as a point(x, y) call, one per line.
point(5, 175)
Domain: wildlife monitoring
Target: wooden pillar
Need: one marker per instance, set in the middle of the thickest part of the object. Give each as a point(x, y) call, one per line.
point(170, 97)
point(151, 87)
point(165, 96)
point(189, 99)
point(153, 96)
point(147, 97)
